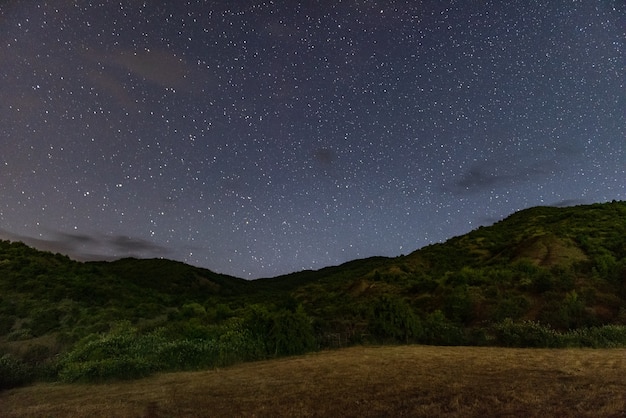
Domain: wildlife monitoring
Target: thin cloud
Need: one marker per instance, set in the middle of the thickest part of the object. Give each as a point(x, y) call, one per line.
point(324, 156)
point(112, 72)
point(568, 202)
point(157, 66)
point(490, 175)
point(92, 247)
point(113, 86)
point(482, 177)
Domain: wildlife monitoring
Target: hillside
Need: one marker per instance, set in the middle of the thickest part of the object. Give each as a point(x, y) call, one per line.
point(563, 267)
point(544, 276)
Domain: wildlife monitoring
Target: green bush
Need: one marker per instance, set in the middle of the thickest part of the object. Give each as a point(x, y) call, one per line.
point(239, 344)
point(282, 332)
point(607, 336)
point(194, 329)
point(534, 334)
point(439, 330)
point(457, 305)
point(21, 334)
point(45, 321)
point(392, 319)
point(14, 372)
point(6, 323)
point(186, 354)
point(511, 307)
point(509, 333)
point(121, 354)
point(118, 367)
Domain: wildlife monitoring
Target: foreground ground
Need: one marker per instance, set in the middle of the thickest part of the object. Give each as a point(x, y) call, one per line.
point(361, 381)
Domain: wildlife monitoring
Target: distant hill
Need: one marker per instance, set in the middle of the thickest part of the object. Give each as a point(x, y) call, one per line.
point(542, 269)
point(523, 267)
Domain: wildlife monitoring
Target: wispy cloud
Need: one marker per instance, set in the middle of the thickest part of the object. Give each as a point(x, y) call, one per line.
point(113, 72)
point(324, 156)
point(92, 247)
point(482, 177)
point(489, 175)
point(569, 202)
point(157, 66)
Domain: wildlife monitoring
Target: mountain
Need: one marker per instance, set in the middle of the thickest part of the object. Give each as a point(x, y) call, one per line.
point(544, 269)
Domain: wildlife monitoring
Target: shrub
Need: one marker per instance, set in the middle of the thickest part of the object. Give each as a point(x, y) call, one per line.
point(14, 372)
point(393, 319)
point(194, 328)
point(458, 306)
point(191, 310)
point(21, 334)
point(282, 332)
point(511, 307)
point(524, 334)
point(119, 367)
point(291, 332)
point(6, 323)
point(45, 321)
point(187, 354)
point(239, 344)
point(121, 354)
point(438, 330)
point(607, 336)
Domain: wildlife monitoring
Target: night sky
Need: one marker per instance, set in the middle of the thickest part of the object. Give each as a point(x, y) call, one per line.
point(256, 138)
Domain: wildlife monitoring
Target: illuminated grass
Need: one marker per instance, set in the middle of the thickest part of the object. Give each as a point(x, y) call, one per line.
point(360, 381)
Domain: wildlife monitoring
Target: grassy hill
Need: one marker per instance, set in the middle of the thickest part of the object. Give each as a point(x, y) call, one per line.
point(544, 276)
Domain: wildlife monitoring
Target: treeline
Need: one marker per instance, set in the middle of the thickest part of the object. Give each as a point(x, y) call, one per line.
point(187, 342)
point(127, 352)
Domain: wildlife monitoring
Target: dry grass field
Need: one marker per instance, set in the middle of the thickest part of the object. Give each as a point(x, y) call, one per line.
point(359, 382)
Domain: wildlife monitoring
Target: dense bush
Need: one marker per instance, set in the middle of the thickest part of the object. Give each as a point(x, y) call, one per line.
point(14, 372)
point(118, 367)
point(393, 320)
point(120, 354)
point(239, 343)
point(510, 307)
point(280, 332)
point(509, 333)
point(608, 336)
point(6, 323)
point(439, 330)
point(124, 353)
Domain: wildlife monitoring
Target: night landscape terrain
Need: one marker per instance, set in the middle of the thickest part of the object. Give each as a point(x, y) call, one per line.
point(544, 277)
point(312, 208)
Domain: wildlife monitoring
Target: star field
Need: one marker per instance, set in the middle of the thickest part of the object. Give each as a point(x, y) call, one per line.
point(262, 137)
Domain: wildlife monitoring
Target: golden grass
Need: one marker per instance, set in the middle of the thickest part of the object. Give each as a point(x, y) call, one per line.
point(359, 382)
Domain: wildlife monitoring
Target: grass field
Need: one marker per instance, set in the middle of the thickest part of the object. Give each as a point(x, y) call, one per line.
point(361, 381)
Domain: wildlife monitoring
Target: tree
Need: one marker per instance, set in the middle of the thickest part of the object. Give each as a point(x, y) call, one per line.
point(393, 319)
point(284, 332)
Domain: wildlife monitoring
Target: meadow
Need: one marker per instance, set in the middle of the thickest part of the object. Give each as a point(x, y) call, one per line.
point(363, 381)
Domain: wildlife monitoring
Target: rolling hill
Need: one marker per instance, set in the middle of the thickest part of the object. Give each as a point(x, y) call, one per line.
point(544, 276)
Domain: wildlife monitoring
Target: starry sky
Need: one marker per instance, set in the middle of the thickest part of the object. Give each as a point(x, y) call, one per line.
point(257, 138)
